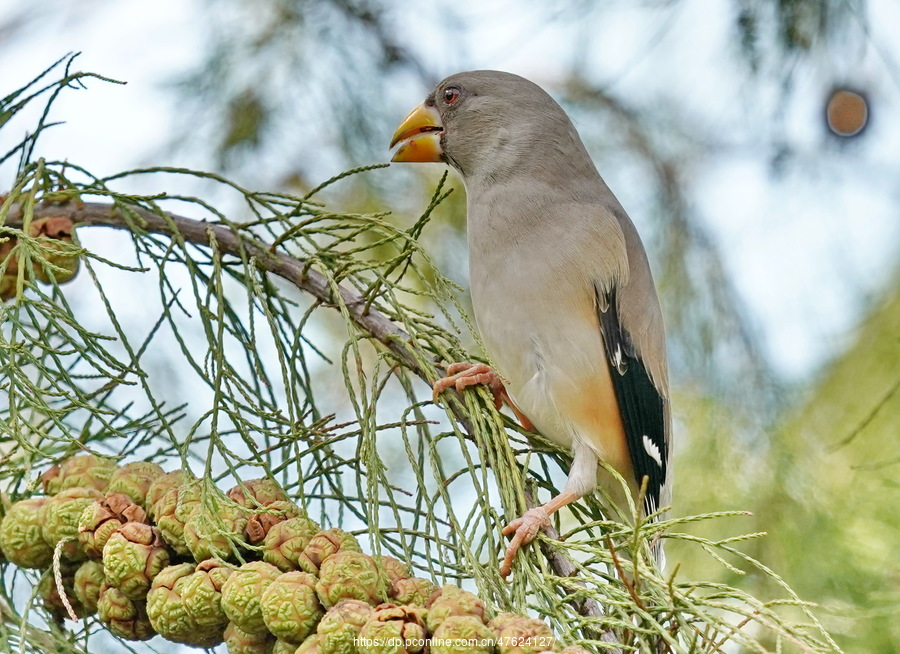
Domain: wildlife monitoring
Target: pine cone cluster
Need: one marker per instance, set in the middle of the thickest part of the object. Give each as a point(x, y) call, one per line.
point(54, 259)
point(154, 553)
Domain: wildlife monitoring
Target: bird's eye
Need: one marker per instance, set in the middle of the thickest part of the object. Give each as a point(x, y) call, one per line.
point(451, 95)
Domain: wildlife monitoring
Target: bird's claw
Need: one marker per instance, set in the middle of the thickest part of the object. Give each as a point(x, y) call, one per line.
point(462, 375)
point(525, 529)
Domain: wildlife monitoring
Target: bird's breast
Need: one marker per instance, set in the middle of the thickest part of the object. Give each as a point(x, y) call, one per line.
point(539, 326)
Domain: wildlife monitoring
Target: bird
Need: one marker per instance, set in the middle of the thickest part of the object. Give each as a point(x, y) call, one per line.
point(561, 288)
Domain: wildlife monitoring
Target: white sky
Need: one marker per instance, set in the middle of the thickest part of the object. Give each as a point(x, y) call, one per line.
point(806, 251)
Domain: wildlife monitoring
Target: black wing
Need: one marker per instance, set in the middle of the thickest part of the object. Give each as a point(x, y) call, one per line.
point(642, 406)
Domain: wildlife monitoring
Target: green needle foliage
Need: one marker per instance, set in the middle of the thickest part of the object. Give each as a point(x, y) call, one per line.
point(298, 342)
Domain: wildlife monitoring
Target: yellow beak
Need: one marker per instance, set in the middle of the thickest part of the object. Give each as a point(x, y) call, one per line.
point(420, 133)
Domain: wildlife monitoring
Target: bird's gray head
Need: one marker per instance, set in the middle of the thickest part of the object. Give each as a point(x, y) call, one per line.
point(490, 125)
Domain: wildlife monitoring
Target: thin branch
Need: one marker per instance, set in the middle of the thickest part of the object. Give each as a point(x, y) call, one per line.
point(865, 422)
point(370, 321)
point(563, 567)
point(228, 241)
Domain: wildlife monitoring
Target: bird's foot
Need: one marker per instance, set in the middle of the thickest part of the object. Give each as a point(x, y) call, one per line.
point(525, 529)
point(462, 375)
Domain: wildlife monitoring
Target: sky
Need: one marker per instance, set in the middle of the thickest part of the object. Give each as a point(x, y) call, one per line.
point(808, 250)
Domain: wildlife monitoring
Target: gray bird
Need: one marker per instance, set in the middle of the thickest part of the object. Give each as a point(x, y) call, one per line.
point(562, 290)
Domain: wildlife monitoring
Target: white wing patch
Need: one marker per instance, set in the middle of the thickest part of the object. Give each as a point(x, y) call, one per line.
point(618, 362)
point(653, 450)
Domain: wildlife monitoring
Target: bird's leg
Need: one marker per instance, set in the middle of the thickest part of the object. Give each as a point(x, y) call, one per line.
point(521, 417)
point(582, 480)
point(462, 375)
point(527, 527)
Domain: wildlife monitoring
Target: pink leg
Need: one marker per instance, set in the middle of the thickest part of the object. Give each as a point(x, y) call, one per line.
point(522, 418)
point(527, 527)
point(462, 375)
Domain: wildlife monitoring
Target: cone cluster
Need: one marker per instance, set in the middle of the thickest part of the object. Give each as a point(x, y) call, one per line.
point(154, 553)
point(57, 257)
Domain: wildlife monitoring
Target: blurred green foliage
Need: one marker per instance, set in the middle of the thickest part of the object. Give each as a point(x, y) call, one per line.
point(824, 486)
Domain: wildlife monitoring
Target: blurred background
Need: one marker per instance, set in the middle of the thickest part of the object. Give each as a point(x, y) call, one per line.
point(753, 142)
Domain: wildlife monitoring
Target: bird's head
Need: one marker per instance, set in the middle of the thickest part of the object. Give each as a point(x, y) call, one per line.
point(488, 123)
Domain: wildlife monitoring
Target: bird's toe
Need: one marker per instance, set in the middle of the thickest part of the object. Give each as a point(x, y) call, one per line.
point(512, 526)
point(524, 530)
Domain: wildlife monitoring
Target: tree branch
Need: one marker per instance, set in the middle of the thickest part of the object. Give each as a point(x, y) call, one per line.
point(370, 321)
point(201, 232)
point(563, 567)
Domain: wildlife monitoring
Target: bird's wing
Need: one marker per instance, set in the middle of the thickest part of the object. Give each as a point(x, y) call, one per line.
point(643, 403)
